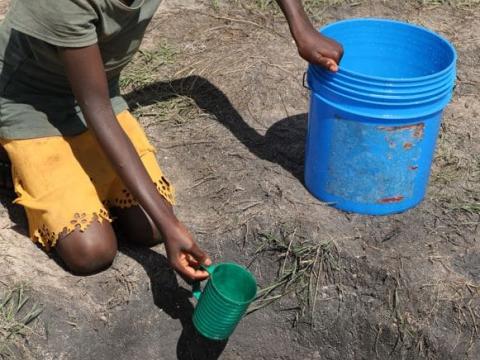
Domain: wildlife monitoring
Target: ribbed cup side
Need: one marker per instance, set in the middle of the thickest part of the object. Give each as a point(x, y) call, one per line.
point(215, 317)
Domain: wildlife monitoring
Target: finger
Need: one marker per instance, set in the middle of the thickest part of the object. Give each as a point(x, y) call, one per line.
point(199, 255)
point(332, 65)
point(189, 273)
point(327, 63)
point(186, 260)
point(192, 261)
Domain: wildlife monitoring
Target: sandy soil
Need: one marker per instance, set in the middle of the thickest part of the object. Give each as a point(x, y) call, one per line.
point(219, 92)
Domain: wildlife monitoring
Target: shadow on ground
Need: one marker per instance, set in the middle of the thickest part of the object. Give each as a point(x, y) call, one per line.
point(16, 213)
point(174, 300)
point(283, 143)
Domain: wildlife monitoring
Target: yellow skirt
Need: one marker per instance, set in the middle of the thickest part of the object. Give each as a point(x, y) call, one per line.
point(65, 183)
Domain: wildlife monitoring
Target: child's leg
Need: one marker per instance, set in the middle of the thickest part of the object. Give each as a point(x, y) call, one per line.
point(137, 226)
point(89, 251)
point(60, 181)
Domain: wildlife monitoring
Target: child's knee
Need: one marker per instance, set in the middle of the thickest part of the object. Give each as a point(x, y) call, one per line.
point(92, 258)
point(90, 251)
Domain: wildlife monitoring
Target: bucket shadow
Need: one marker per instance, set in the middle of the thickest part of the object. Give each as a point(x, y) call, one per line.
point(283, 143)
point(174, 300)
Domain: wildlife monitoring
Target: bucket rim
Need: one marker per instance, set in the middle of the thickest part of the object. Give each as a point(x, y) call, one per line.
point(449, 68)
point(387, 104)
point(362, 82)
point(385, 91)
point(387, 98)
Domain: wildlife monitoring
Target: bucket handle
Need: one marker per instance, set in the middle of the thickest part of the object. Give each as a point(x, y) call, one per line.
point(304, 82)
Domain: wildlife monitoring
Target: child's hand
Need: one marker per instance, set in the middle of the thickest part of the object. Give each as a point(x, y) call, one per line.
point(320, 50)
point(184, 254)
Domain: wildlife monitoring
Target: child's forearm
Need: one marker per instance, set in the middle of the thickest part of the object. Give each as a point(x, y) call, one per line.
point(298, 20)
point(312, 46)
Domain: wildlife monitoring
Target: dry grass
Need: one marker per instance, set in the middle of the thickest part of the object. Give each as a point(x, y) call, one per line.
point(303, 265)
point(456, 175)
point(315, 7)
point(144, 68)
point(461, 296)
point(175, 109)
point(453, 3)
point(17, 312)
point(147, 68)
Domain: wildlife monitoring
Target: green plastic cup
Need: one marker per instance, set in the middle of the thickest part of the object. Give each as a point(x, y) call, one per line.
point(224, 300)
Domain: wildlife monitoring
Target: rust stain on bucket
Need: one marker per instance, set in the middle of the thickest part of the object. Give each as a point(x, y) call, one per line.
point(407, 145)
point(390, 200)
point(418, 129)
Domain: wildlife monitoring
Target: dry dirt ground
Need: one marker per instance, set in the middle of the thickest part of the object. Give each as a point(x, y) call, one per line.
point(218, 88)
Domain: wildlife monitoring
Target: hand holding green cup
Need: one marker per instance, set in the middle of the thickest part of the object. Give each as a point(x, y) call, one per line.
point(223, 302)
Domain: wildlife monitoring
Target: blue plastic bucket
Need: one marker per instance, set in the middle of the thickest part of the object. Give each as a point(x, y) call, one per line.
point(373, 125)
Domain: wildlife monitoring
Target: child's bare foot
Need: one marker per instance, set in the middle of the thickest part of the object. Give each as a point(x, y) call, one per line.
point(5, 171)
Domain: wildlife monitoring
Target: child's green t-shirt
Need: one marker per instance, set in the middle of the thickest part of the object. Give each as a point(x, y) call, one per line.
point(35, 97)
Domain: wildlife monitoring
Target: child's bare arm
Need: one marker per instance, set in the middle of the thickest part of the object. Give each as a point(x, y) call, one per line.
point(312, 46)
point(85, 71)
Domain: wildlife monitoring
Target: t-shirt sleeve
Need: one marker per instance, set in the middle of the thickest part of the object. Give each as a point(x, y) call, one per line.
point(65, 23)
